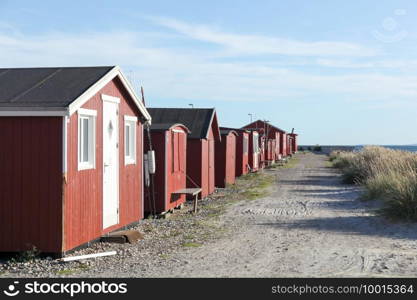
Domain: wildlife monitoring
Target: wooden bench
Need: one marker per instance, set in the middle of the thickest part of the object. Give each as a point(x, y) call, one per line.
point(190, 192)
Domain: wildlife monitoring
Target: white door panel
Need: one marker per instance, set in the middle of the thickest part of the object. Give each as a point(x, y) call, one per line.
point(110, 164)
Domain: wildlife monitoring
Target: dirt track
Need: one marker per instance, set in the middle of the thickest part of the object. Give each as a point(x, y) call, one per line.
point(310, 225)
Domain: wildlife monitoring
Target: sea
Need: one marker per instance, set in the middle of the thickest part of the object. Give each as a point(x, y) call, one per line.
point(411, 148)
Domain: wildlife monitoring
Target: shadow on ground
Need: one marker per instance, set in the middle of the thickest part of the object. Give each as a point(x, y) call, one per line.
point(354, 225)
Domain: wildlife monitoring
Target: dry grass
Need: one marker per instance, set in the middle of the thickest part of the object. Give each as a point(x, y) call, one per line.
point(390, 175)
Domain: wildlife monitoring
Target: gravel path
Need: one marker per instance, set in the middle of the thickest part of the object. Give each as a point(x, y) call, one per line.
point(310, 225)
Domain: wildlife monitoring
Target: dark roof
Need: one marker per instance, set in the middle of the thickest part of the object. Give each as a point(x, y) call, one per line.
point(226, 131)
point(166, 126)
point(197, 120)
point(235, 129)
point(275, 127)
point(46, 87)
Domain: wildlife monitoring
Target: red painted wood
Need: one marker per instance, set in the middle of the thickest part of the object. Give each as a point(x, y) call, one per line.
point(293, 142)
point(226, 160)
point(31, 183)
point(176, 171)
point(282, 148)
point(170, 153)
point(84, 189)
point(201, 163)
point(194, 163)
point(252, 155)
point(242, 157)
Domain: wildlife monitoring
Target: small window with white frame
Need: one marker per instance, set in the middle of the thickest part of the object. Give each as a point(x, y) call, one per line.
point(86, 138)
point(130, 140)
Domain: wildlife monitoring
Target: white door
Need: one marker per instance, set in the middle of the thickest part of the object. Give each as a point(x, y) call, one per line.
point(110, 164)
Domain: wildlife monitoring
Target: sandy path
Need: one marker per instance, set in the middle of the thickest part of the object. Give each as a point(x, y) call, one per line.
point(310, 225)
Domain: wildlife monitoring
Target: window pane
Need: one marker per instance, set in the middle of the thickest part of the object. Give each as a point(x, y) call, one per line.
point(85, 138)
point(127, 140)
point(132, 141)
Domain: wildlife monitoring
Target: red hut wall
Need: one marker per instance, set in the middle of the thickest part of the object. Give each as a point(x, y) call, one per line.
point(289, 145)
point(83, 192)
point(194, 163)
point(283, 144)
point(242, 155)
point(170, 148)
point(176, 140)
point(200, 164)
point(277, 145)
point(31, 184)
point(208, 171)
point(158, 144)
point(294, 145)
point(270, 151)
point(226, 160)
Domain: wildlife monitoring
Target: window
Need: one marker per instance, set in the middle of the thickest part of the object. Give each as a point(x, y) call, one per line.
point(245, 144)
point(130, 140)
point(86, 138)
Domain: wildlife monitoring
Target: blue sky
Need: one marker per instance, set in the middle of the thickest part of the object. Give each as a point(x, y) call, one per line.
point(339, 72)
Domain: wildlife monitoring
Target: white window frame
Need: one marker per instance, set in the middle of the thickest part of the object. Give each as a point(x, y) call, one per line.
point(91, 115)
point(130, 121)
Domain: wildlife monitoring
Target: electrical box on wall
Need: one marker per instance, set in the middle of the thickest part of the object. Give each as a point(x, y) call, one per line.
point(151, 162)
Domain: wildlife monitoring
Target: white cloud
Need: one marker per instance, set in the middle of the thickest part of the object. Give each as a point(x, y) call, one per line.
point(183, 73)
point(258, 44)
point(369, 64)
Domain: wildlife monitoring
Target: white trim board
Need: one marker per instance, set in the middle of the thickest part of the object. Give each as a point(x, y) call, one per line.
point(87, 112)
point(108, 98)
point(130, 118)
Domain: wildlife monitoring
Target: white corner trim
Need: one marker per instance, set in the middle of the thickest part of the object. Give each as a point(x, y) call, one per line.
point(64, 144)
point(87, 112)
point(131, 118)
point(108, 98)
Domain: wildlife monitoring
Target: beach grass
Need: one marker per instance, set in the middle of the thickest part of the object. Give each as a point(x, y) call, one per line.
point(386, 174)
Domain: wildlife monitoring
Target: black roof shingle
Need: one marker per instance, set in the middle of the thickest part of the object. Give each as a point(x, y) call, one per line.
point(197, 120)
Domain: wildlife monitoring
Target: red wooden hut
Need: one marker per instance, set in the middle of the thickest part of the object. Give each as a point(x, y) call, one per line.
point(226, 158)
point(169, 141)
point(204, 131)
point(275, 149)
point(71, 166)
point(283, 144)
point(254, 151)
point(242, 151)
point(294, 144)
